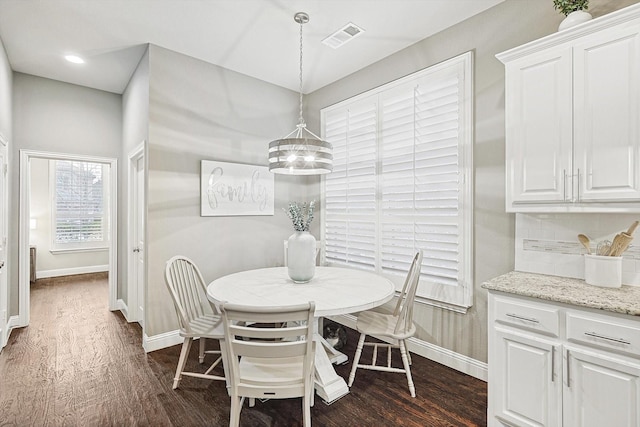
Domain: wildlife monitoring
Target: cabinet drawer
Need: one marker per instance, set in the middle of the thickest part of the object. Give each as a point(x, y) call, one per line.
point(530, 316)
point(608, 333)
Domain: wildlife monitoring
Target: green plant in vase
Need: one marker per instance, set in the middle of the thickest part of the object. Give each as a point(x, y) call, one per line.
point(301, 245)
point(567, 6)
point(301, 216)
point(574, 11)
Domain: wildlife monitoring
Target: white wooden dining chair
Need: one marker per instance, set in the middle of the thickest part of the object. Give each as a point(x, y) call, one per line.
point(197, 317)
point(267, 360)
point(396, 327)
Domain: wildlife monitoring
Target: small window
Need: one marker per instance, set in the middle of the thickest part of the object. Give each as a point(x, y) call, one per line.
point(79, 194)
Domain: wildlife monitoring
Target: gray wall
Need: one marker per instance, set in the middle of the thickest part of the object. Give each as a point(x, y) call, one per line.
point(57, 117)
point(200, 111)
point(135, 129)
point(6, 85)
point(502, 27)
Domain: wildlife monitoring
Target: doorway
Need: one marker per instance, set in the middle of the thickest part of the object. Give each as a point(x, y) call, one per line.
point(25, 223)
point(4, 203)
point(136, 259)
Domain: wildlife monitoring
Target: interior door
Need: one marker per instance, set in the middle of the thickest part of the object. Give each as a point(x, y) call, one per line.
point(3, 244)
point(138, 235)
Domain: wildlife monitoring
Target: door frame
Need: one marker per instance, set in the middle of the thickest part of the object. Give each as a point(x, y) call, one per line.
point(4, 286)
point(24, 213)
point(133, 313)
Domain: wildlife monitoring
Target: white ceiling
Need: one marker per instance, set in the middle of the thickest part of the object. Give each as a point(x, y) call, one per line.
point(258, 38)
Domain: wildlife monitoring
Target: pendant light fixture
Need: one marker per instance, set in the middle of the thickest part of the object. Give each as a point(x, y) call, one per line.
point(301, 152)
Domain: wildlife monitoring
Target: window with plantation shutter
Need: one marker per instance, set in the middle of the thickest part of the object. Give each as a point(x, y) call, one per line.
point(402, 181)
point(79, 214)
point(350, 192)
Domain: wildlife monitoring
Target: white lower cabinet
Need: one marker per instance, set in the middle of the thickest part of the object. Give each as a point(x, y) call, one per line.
point(555, 365)
point(600, 390)
point(529, 390)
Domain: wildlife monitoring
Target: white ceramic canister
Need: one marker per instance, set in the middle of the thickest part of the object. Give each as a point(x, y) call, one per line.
point(603, 271)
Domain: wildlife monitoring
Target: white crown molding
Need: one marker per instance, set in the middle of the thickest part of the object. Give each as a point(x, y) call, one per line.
point(614, 18)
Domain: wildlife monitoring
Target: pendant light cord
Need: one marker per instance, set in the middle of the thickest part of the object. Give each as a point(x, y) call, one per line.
point(301, 119)
point(300, 154)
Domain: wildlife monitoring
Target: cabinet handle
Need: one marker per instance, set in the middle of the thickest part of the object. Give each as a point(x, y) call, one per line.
point(604, 337)
point(568, 370)
point(564, 185)
point(553, 364)
point(578, 186)
point(527, 319)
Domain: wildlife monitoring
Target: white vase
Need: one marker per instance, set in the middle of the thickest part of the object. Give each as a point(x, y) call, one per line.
point(301, 256)
point(574, 18)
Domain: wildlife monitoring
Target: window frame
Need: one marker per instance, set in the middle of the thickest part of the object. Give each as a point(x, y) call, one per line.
point(457, 298)
point(92, 246)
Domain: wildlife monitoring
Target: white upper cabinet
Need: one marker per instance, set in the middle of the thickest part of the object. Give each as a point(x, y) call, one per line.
point(539, 125)
point(573, 117)
point(606, 82)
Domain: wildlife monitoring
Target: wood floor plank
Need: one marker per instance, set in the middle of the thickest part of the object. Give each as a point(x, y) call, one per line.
point(78, 364)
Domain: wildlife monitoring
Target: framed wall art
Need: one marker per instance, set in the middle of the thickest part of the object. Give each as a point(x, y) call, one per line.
point(234, 189)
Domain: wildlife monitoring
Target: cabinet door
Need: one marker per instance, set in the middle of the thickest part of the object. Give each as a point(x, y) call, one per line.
point(539, 128)
point(607, 114)
point(527, 386)
point(600, 390)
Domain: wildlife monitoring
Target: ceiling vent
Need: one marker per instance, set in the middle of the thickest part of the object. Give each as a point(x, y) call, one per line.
point(343, 35)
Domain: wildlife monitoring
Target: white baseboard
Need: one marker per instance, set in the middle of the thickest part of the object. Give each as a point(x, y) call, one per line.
point(12, 323)
point(124, 309)
point(41, 274)
point(160, 341)
point(451, 359)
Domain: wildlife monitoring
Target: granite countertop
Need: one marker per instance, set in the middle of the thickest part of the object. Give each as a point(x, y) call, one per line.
point(625, 300)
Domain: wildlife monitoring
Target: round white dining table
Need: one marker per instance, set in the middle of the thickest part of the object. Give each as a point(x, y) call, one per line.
point(334, 290)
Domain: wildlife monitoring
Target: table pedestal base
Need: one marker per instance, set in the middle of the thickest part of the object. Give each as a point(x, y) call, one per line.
point(329, 385)
point(336, 357)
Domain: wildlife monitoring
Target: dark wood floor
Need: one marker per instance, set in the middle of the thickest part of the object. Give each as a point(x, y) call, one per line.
point(78, 364)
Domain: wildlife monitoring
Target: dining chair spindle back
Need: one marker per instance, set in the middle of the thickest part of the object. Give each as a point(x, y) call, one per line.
point(270, 354)
point(197, 317)
point(397, 327)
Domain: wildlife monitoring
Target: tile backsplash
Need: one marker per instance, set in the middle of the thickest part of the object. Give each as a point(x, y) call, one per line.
point(548, 243)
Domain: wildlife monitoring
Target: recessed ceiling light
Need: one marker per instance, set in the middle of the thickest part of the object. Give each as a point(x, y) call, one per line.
point(343, 35)
point(74, 58)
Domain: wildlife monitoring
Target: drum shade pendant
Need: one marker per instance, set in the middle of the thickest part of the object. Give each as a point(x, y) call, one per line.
point(301, 152)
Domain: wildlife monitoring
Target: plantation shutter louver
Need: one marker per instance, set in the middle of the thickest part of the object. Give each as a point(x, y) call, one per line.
point(402, 181)
point(420, 180)
point(350, 192)
point(79, 215)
